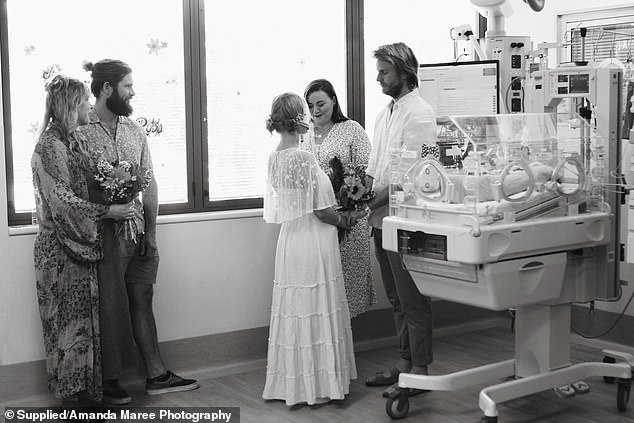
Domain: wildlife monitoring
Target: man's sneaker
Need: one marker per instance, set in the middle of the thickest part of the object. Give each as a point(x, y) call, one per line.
point(114, 394)
point(169, 382)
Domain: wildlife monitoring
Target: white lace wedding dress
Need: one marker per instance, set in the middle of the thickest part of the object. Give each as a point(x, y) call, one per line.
point(310, 351)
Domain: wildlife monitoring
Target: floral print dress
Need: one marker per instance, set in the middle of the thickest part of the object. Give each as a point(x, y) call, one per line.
point(67, 248)
point(349, 142)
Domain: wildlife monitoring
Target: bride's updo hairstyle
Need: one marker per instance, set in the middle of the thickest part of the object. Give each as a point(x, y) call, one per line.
point(288, 114)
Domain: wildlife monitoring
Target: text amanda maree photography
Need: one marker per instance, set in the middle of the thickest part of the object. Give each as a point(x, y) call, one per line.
point(149, 414)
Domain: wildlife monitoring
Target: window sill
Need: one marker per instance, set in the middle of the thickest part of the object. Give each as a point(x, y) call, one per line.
point(168, 219)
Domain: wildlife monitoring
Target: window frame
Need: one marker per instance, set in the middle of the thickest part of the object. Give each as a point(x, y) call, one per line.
point(6, 119)
point(196, 142)
point(600, 16)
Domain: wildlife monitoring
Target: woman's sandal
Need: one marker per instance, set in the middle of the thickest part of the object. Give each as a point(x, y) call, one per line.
point(580, 387)
point(394, 391)
point(388, 377)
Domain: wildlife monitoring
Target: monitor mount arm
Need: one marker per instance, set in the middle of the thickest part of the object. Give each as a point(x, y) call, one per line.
point(465, 32)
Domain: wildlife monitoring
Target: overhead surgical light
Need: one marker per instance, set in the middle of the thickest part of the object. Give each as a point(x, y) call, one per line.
point(536, 5)
point(495, 11)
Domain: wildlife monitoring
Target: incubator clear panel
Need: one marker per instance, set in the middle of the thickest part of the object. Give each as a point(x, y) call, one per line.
point(501, 168)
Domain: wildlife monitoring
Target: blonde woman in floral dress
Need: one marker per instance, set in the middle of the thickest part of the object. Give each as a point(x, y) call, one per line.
point(333, 134)
point(68, 246)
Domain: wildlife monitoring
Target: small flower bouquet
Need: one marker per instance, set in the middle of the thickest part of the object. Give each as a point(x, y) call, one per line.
point(351, 185)
point(120, 182)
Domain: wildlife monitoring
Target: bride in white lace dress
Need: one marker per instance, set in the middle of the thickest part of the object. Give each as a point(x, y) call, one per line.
point(310, 353)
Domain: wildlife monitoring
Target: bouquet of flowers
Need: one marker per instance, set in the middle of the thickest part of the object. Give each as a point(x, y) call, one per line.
point(120, 182)
point(351, 186)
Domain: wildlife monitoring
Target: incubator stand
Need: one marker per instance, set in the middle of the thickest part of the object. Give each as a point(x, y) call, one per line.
point(510, 212)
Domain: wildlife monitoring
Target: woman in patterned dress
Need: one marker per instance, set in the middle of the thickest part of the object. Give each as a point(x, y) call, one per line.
point(333, 134)
point(68, 245)
point(310, 356)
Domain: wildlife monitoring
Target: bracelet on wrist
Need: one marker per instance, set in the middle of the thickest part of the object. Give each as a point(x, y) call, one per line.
point(367, 209)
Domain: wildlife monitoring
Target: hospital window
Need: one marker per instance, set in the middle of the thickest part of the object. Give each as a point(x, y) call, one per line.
point(42, 38)
point(278, 46)
point(205, 73)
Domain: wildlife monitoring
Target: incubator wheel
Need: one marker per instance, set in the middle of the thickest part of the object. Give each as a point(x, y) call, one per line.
point(611, 360)
point(487, 419)
point(623, 394)
point(397, 407)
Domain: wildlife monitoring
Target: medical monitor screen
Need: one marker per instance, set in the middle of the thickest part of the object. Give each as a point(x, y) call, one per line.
point(460, 88)
point(580, 84)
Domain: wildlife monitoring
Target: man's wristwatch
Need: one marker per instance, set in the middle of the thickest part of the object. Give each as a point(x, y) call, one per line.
point(367, 209)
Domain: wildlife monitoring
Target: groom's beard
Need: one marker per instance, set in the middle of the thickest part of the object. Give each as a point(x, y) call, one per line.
point(118, 106)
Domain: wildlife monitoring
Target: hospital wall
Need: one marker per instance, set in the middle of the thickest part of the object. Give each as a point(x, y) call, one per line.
point(216, 268)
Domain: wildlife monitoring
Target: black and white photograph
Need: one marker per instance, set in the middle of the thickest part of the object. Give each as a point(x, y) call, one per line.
point(337, 211)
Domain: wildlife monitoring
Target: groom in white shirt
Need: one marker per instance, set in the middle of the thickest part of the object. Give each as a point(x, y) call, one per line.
point(407, 119)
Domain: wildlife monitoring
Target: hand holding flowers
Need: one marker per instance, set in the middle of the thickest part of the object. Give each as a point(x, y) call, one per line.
point(353, 190)
point(349, 218)
point(120, 211)
point(121, 182)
